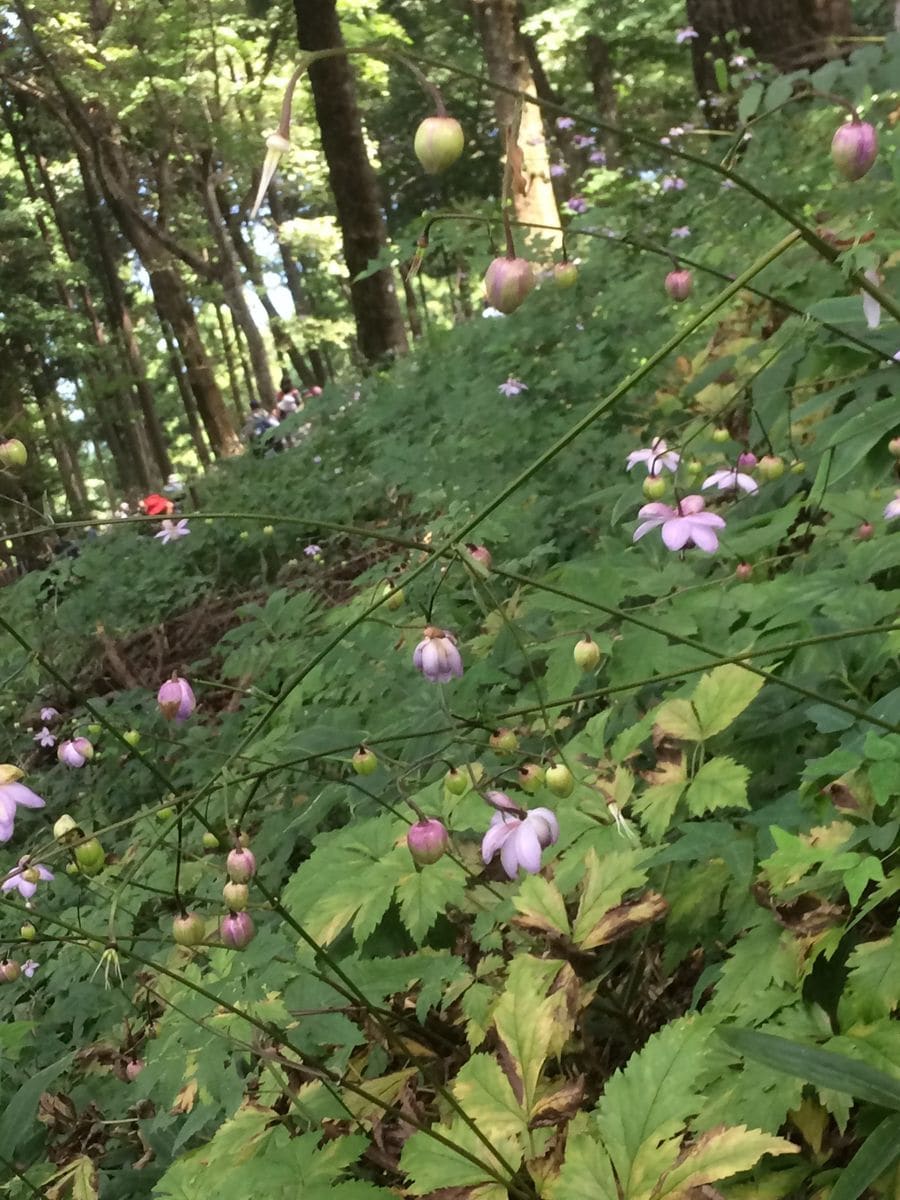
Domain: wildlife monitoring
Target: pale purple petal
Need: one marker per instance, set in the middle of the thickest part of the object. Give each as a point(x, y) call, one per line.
point(638, 456)
point(417, 654)
point(499, 830)
point(454, 660)
point(29, 968)
point(656, 511)
point(645, 528)
point(20, 794)
point(676, 533)
point(431, 659)
point(892, 509)
point(26, 887)
point(11, 881)
point(690, 505)
point(527, 850)
point(547, 818)
point(44, 872)
point(703, 536)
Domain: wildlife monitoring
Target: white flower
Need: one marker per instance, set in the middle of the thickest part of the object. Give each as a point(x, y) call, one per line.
point(520, 840)
point(171, 531)
point(893, 508)
point(730, 479)
point(657, 457)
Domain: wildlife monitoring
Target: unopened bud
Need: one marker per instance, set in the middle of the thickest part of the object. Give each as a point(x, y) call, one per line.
point(559, 780)
point(133, 1068)
point(438, 143)
point(64, 827)
point(75, 753)
point(854, 149)
point(28, 932)
point(894, 447)
point(654, 487)
point(188, 930)
point(90, 857)
point(236, 896)
point(427, 841)
point(364, 761)
point(9, 970)
point(586, 653)
point(565, 275)
point(237, 930)
point(771, 466)
point(720, 435)
point(864, 531)
point(747, 460)
point(176, 699)
point(507, 283)
point(241, 865)
point(531, 777)
point(12, 453)
point(456, 782)
point(209, 840)
point(503, 741)
point(394, 596)
point(679, 284)
point(743, 571)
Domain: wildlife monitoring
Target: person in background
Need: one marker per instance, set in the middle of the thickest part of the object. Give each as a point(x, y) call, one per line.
point(258, 423)
point(287, 400)
point(174, 487)
point(155, 505)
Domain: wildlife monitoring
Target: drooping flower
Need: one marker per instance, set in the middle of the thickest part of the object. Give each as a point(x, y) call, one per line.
point(520, 840)
point(507, 283)
point(681, 231)
point(427, 841)
point(173, 530)
point(565, 122)
point(12, 795)
point(871, 307)
point(48, 714)
point(854, 148)
point(276, 145)
point(581, 141)
point(686, 34)
point(730, 479)
point(657, 457)
point(176, 699)
point(557, 170)
point(577, 204)
point(25, 878)
point(512, 387)
point(437, 656)
point(44, 737)
point(29, 968)
point(598, 158)
point(237, 930)
point(312, 550)
point(685, 524)
point(892, 509)
point(438, 143)
point(75, 752)
point(679, 284)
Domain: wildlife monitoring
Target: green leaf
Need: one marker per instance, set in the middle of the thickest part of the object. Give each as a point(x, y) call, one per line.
point(20, 1110)
point(541, 906)
point(718, 1154)
point(605, 882)
point(750, 102)
point(822, 1068)
point(644, 1109)
point(678, 719)
point(487, 1097)
point(656, 806)
point(722, 695)
point(586, 1173)
point(431, 1165)
point(524, 1019)
point(81, 1175)
point(720, 783)
point(873, 985)
point(877, 1154)
point(425, 893)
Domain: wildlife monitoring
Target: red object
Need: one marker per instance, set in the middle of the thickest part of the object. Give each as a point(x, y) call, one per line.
point(155, 505)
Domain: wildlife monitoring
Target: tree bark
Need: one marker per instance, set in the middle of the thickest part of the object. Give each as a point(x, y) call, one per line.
point(379, 323)
point(600, 73)
point(787, 33)
point(233, 385)
point(176, 369)
point(506, 55)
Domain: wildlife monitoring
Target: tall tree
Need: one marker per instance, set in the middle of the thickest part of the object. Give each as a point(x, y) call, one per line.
point(379, 322)
point(506, 54)
point(786, 33)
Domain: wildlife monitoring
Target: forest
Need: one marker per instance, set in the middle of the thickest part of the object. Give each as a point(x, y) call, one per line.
point(449, 600)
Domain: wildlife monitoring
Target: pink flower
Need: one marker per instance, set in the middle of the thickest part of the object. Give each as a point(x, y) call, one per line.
point(581, 141)
point(565, 122)
point(20, 881)
point(48, 714)
point(597, 157)
point(684, 525)
point(176, 699)
point(12, 795)
point(75, 753)
point(673, 183)
point(557, 170)
point(657, 457)
point(730, 479)
point(520, 840)
point(577, 204)
point(44, 737)
point(437, 657)
point(512, 387)
point(312, 550)
point(687, 34)
point(29, 968)
point(892, 510)
point(681, 231)
point(171, 531)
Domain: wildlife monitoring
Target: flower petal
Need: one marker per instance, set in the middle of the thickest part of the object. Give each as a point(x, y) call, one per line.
point(677, 533)
point(496, 836)
point(528, 848)
point(704, 537)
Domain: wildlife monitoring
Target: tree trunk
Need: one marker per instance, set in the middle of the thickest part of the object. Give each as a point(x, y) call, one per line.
point(600, 73)
point(59, 433)
point(506, 55)
point(787, 33)
point(176, 369)
point(233, 385)
point(379, 322)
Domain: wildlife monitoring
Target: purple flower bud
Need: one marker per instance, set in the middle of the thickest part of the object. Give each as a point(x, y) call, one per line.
point(176, 700)
point(481, 554)
point(237, 930)
point(133, 1068)
point(507, 283)
point(743, 571)
point(865, 531)
point(679, 284)
point(438, 143)
point(747, 460)
point(75, 753)
point(427, 841)
point(854, 149)
point(437, 657)
point(241, 865)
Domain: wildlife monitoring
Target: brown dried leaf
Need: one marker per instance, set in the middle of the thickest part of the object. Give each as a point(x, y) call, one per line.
point(558, 1106)
point(186, 1098)
point(516, 163)
point(622, 920)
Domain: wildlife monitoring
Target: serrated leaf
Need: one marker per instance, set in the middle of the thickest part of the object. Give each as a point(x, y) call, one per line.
point(78, 1181)
point(873, 986)
point(822, 1068)
point(586, 1173)
point(423, 894)
point(605, 882)
point(678, 719)
point(721, 696)
point(656, 806)
point(541, 906)
point(622, 920)
point(720, 783)
point(524, 1020)
point(876, 1155)
point(487, 1097)
point(718, 1154)
point(432, 1166)
point(645, 1106)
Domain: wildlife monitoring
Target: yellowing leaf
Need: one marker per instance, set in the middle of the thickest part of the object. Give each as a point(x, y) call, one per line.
point(524, 1019)
point(622, 920)
point(721, 696)
point(487, 1097)
point(678, 719)
point(605, 883)
point(586, 1173)
point(541, 906)
point(78, 1181)
point(718, 1154)
point(431, 1165)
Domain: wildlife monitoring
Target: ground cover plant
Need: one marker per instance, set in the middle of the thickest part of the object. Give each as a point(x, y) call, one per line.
point(490, 787)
